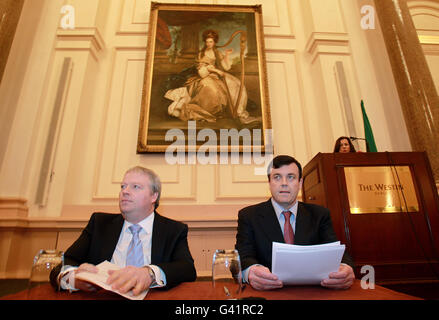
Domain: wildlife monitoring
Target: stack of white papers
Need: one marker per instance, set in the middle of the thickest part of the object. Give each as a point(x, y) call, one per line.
point(101, 277)
point(305, 265)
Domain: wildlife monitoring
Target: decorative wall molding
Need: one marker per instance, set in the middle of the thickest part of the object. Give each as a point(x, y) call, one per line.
point(116, 153)
point(42, 223)
point(83, 39)
point(13, 207)
point(78, 223)
point(427, 29)
point(429, 43)
point(429, 39)
point(134, 17)
point(418, 7)
point(280, 44)
point(277, 22)
point(187, 213)
point(327, 43)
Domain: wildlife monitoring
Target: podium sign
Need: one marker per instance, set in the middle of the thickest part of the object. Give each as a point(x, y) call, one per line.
point(380, 189)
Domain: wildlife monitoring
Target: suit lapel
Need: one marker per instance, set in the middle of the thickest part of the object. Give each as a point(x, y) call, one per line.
point(302, 224)
point(157, 239)
point(269, 223)
point(112, 237)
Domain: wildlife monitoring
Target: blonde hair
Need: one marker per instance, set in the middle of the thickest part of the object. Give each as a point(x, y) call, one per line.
point(155, 183)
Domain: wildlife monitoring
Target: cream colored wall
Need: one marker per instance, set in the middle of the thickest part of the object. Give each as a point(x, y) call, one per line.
point(97, 136)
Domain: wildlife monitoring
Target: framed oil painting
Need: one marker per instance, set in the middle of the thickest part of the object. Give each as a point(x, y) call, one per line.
point(205, 77)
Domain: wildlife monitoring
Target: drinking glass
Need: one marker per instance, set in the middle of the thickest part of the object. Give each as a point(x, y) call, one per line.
point(43, 264)
point(226, 274)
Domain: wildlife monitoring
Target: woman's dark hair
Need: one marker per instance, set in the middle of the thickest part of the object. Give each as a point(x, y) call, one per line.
point(338, 142)
point(212, 34)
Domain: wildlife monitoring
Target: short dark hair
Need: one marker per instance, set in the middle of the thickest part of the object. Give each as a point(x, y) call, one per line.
point(283, 160)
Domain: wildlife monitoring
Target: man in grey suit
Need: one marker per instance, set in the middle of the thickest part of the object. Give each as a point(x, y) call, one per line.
point(162, 255)
point(283, 219)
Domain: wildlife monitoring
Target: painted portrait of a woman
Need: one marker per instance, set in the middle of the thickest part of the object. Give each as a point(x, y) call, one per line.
point(204, 66)
point(212, 93)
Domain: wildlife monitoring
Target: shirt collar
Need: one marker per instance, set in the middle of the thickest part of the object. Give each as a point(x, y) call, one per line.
point(146, 224)
point(279, 209)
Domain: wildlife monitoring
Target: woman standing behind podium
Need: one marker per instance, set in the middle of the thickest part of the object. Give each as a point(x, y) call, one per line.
point(344, 145)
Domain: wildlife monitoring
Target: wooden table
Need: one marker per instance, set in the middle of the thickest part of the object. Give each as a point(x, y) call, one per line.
point(202, 290)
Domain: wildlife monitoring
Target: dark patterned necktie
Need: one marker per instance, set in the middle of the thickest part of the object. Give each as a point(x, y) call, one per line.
point(288, 229)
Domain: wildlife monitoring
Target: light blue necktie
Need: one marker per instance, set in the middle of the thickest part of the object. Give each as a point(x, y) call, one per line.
point(135, 250)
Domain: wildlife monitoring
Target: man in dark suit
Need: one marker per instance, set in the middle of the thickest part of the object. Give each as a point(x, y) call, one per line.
point(283, 219)
point(163, 258)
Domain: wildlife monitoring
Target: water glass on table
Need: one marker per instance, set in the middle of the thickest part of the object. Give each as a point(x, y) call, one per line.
point(226, 274)
point(44, 262)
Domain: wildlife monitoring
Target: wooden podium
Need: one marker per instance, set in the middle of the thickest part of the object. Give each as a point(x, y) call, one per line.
point(400, 241)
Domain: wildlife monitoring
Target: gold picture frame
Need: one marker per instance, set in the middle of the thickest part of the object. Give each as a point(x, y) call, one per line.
point(186, 90)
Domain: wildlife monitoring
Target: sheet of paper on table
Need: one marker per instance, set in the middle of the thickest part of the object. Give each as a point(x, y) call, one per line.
point(101, 277)
point(305, 265)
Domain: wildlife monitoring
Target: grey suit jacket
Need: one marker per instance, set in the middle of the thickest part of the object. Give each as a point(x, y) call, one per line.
point(258, 228)
point(169, 249)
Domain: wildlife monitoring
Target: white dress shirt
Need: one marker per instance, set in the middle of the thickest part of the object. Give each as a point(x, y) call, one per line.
point(278, 209)
point(281, 218)
point(120, 253)
point(145, 235)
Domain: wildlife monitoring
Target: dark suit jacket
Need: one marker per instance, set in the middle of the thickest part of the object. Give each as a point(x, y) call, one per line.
point(169, 249)
point(258, 228)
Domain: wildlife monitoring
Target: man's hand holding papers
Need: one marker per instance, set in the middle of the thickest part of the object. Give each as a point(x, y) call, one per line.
point(102, 275)
point(342, 279)
point(261, 278)
point(313, 264)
